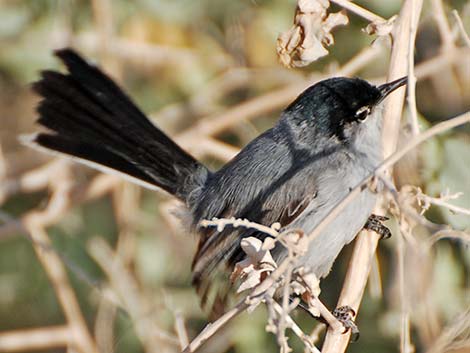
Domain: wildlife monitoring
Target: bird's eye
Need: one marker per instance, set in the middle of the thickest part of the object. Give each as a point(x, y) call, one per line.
point(362, 113)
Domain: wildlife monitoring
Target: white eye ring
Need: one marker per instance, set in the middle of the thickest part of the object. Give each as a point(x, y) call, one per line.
point(362, 113)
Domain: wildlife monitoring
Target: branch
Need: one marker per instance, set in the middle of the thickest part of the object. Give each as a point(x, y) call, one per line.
point(36, 339)
point(366, 243)
point(220, 122)
point(212, 328)
point(463, 33)
point(126, 288)
point(139, 53)
point(57, 274)
point(411, 86)
point(443, 26)
point(360, 11)
point(442, 201)
point(99, 186)
point(268, 102)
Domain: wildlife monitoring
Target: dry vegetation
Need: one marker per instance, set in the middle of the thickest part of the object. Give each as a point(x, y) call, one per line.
point(111, 271)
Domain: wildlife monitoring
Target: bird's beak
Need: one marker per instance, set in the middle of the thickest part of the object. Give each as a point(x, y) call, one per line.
point(389, 87)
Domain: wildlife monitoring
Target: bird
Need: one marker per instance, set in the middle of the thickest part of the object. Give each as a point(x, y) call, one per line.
point(324, 143)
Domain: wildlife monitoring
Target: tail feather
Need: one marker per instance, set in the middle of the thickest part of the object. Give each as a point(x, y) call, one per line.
point(70, 111)
point(63, 111)
point(102, 159)
point(92, 119)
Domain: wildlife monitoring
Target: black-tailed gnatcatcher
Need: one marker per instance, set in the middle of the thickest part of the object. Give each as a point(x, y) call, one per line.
point(325, 143)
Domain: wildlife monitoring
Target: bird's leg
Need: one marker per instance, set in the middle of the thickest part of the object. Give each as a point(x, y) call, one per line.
point(345, 314)
point(374, 223)
point(340, 320)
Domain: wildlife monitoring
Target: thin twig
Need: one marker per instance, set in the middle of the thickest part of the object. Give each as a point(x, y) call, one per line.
point(296, 329)
point(104, 325)
point(439, 62)
point(35, 339)
point(443, 26)
point(284, 310)
point(442, 202)
point(398, 68)
point(449, 234)
point(126, 288)
point(58, 276)
point(181, 330)
point(360, 11)
point(212, 328)
point(415, 12)
point(221, 223)
point(461, 27)
point(455, 336)
point(268, 102)
point(411, 86)
point(405, 339)
point(139, 52)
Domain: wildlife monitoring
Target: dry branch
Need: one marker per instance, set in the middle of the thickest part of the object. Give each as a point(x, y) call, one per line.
point(461, 27)
point(127, 290)
point(360, 11)
point(268, 102)
point(81, 338)
point(35, 339)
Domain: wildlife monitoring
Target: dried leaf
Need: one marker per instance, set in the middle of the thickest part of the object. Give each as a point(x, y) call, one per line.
point(311, 281)
point(296, 241)
point(306, 282)
point(268, 243)
point(257, 264)
point(381, 28)
point(305, 42)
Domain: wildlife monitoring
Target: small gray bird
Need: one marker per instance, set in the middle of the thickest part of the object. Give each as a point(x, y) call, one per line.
point(324, 144)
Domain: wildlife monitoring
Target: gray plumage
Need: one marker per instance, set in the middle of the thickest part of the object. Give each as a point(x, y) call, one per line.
point(296, 172)
point(323, 145)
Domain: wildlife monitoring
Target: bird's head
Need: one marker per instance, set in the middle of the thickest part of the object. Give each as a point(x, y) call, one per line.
point(339, 106)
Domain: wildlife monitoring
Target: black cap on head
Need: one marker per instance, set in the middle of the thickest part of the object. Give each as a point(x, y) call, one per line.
point(332, 103)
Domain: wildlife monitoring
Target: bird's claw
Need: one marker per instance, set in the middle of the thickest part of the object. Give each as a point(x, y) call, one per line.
point(374, 223)
point(345, 315)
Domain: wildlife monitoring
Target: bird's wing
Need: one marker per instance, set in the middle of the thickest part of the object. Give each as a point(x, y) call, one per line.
point(217, 256)
point(264, 195)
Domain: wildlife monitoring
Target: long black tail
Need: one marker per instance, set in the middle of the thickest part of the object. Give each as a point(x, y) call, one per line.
point(91, 119)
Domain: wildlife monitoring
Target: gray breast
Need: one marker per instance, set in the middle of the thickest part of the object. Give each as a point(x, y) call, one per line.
point(333, 184)
point(324, 249)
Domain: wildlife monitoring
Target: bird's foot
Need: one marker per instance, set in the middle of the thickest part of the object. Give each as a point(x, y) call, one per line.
point(374, 223)
point(345, 315)
point(341, 320)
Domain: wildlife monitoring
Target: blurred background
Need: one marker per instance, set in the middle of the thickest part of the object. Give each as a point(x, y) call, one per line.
point(207, 73)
